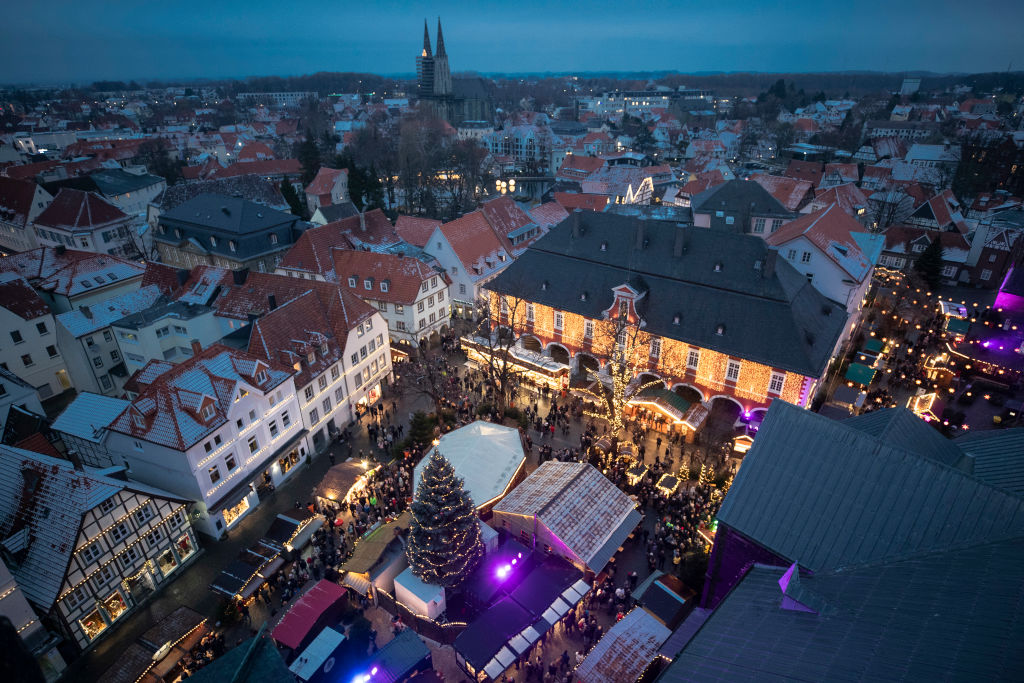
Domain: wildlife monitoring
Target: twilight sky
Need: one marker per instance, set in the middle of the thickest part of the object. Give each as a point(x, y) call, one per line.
point(85, 40)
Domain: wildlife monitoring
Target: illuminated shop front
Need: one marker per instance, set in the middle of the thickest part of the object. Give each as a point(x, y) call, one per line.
point(106, 613)
point(173, 557)
point(237, 511)
point(288, 461)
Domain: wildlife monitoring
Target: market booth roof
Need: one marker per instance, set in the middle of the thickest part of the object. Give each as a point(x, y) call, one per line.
point(369, 549)
point(860, 373)
point(489, 633)
point(306, 612)
point(338, 480)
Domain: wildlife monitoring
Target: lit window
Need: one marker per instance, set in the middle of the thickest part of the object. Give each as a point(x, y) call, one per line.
point(732, 371)
point(778, 380)
point(254, 445)
point(588, 329)
point(655, 348)
point(214, 473)
point(693, 359)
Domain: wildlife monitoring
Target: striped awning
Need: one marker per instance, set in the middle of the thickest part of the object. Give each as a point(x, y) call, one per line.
point(357, 582)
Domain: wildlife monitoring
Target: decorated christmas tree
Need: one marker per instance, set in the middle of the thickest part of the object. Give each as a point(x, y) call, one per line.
point(444, 538)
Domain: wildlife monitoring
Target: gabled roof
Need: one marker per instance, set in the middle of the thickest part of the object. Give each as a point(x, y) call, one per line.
point(415, 230)
point(264, 167)
point(830, 495)
point(741, 199)
point(202, 283)
point(371, 229)
point(810, 171)
point(579, 505)
point(88, 319)
point(16, 198)
point(625, 651)
point(404, 275)
point(575, 200)
point(996, 456)
point(335, 212)
point(255, 151)
point(548, 214)
point(18, 297)
point(830, 230)
point(170, 407)
point(848, 196)
point(953, 614)
point(475, 243)
point(944, 209)
point(311, 252)
point(321, 316)
point(165, 277)
point(42, 501)
point(790, 192)
point(580, 166)
point(75, 210)
point(88, 415)
point(70, 272)
point(324, 181)
point(249, 187)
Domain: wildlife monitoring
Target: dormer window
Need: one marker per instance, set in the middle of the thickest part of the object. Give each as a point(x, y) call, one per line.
point(367, 285)
point(676, 319)
point(720, 330)
point(718, 267)
point(261, 376)
point(323, 349)
point(604, 246)
point(232, 246)
point(311, 357)
point(384, 286)
point(138, 420)
point(583, 296)
point(623, 309)
point(208, 412)
point(213, 241)
point(352, 281)
point(273, 238)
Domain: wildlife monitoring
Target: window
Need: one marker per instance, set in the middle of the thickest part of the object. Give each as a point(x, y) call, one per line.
point(588, 329)
point(16, 336)
point(433, 282)
point(41, 328)
point(623, 309)
point(400, 325)
point(216, 440)
point(423, 323)
point(776, 383)
point(918, 248)
point(399, 308)
point(719, 214)
point(108, 505)
point(314, 416)
point(384, 285)
point(369, 324)
point(327, 404)
point(559, 320)
point(52, 351)
point(208, 446)
point(805, 257)
point(985, 275)
point(776, 224)
point(309, 393)
point(90, 553)
point(213, 241)
point(791, 254)
point(419, 307)
point(373, 344)
point(759, 225)
point(76, 597)
point(991, 258)
point(230, 462)
point(335, 372)
point(208, 411)
point(311, 357)
point(367, 284)
point(729, 220)
point(433, 317)
point(144, 514)
point(285, 419)
point(462, 289)
point(254, 445)
point(430, 300)
point(153, 538)
point(949, 271)
point(231, 245)
point(261, 377)
point(530, 313)
point(382, 306)
point(107, 336)
point(130, 556)
point(97, 362)
point(119, 532)
point(27, 361)
point(252, 415)
point(103, 576)
point(339, 394)
point(732, 371)
point(352, 281)
point(105, 382)
point(322, 382)
point(273, 238)
point(362, 352)
point(361, 330)
point(440, 296)
point(693, 359)
point(214, 473)
point(655, 348)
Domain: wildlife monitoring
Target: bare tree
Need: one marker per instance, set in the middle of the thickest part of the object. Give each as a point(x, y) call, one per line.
point(497, 335)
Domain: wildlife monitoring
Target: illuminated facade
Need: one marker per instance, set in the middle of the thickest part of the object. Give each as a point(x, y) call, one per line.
point(713, 312)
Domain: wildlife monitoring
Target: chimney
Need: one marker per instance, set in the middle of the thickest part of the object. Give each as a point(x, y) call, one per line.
point(239, 276)
point(272, 301)
point(86, 311)
point(641, 232)
point(769, 263)
point(72, 455)
point(197, 348)
point(362, 222)
point(680, 245)
point(575, 218)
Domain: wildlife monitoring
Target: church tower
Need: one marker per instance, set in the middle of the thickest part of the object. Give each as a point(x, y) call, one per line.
point(442, 74)
point(425, 66)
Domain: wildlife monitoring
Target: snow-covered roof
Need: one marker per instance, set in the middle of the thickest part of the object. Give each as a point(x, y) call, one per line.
point(484, 454)
point(88, 319)
point(88, 415)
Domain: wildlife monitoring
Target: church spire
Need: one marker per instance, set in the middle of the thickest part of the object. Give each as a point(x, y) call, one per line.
point(426, 39)
point(440, 40)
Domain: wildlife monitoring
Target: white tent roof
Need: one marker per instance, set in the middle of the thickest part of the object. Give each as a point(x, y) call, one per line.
point(415, 585)
point(484, 454)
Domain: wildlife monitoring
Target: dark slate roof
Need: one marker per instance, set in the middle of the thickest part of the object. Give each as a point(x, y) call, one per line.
point(335, 212)
point(114, 181)
point(255, 660)
point(227, 219)
point(901, 428)
point(953, 615)
point(828, 495)
point(996, 456)
point(395, 661)
point(740, 199)
point(775, 318)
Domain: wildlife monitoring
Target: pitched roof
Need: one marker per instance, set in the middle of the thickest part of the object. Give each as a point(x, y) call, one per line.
point(88, 319)
point(415, 230)
point(474, 242)
point(117, 181)
point(264, 167)
point(88, 415)
point(255, 151)
point(810, 171)
point(324, 181)
point(548, 214)
point(848, 196)
point(335, 212)
point(996, 456)
point(955, 614)
point(579, 505)
point(830, 230)
point(370, 229)
point(70, 272)
point(828, 495)
point(229, 215)
point(18, 297)
point(75, 210)
point(576, 200)
point(42, 501)
point(580, 166)
point(775, 318)
point(322, 316)
point(170, 407)
point(249, 187)
point(165, 277)
point(625, 650)
point(403, 275)
point(740, 199)
point(791, 192)
point(16, 199)
point(311, 253)
point(202, 283)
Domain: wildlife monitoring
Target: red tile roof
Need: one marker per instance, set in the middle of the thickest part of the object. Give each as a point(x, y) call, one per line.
point(324, 181)
point(805, 125)
point(578, 166)
point(505, 216)
point(703, 181)
point(50, 271)
point(255, 151)
point(16, 200)
point(371, 229)
point(848, 172)
point(77, 210)
point(37, 443)
point(321, 315)
point(791, 192)
point(404, 275)
point(848, 196)
point(805, 170)
point(829, 229)
point(414, 230)
point(18, 297)
point(311, 253)
point(202, 282)
point(264, 168)
point(548, 214)
point(588, 202)
point(899, 237)
point(474, 242)
point(163, 276)
point(26, 171)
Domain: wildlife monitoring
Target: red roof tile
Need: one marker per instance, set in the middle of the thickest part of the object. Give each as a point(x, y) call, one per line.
point(263, 168)
point(78, 210)
point(404, 275)
point(791, 192)
point(588, 202)
point(414, 230)
point(37, 443)
point(324, 181)
point(805, 170)
point(163, 276)
point(371, 229)
point(16, 200)
point(255, 151)
point(18, 297)
point(311, 253)
point(474, 242)
point(579, 166)
point(548, 214)
point(848, 196)
point(829, 229)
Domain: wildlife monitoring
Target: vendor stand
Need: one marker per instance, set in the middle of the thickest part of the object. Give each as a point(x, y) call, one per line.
point(332, 491)
point(668, 484)
point(858, 373)
point(635, 473)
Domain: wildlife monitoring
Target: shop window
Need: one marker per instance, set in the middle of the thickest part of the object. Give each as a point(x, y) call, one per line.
point(166, 562)
point(115, 606)
point(232, 513)
point(184, 546)
point(93, 624)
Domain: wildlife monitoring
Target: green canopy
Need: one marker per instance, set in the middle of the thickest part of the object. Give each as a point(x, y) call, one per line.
point(668, 399)
point(873, 345)
point(958, 325)
point(860, 373)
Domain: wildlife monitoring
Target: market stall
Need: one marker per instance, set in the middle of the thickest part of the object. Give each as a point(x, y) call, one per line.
point(316, 608)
